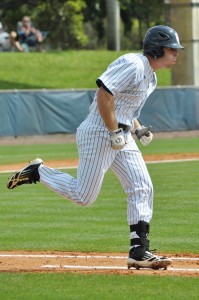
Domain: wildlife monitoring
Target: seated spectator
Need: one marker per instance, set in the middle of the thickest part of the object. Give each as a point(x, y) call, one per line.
point(5, 44)
point(27, 36)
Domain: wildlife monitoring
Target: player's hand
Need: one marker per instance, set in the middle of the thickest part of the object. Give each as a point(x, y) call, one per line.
point(118, 140)
point(144, 135)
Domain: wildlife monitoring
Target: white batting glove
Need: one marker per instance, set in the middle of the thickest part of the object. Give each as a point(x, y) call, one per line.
point(144, 135)
point(118, 140)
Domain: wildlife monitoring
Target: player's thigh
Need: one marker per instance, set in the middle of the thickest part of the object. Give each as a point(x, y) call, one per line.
point(95, 157)
point(129, 166)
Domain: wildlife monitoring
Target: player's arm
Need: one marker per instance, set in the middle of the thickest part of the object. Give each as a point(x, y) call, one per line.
point(143, 133)
point(136, 124)
point(106, 107)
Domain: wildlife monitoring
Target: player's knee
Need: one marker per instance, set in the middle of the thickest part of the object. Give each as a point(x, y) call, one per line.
point(87, 199)
point(84, 202)
point(150, 188)
point(147, 191)
point(144, 192)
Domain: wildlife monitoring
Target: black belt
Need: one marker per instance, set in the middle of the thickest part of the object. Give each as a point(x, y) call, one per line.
point(123, 126)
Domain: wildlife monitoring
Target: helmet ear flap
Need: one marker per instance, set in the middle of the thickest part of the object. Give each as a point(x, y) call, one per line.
point(154, 52)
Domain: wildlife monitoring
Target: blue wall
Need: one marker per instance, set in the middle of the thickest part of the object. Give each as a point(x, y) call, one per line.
point(48, 112)
point(172, 109)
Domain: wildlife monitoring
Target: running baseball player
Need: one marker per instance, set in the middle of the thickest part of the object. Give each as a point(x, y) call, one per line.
point(105, 141)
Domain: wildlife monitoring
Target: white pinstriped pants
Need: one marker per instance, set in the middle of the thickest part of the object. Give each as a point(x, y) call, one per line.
point(95, 158)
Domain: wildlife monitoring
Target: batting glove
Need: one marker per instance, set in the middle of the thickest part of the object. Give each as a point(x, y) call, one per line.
point(144, 135)
point(118, 140)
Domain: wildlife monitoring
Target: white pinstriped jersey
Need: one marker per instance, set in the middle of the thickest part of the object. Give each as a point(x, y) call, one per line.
point(131, 80)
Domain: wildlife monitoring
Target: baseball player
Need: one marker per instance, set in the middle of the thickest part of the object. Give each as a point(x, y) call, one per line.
point(105, 141)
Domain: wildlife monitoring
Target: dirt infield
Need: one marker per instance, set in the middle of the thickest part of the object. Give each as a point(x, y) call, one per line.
point(98, 263)
point(72, 163)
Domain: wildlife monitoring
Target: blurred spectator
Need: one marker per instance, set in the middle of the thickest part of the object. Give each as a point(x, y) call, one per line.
point(5, 44)
point(27, 36)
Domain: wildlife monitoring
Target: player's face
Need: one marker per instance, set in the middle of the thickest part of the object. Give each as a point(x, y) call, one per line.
point(170, 57)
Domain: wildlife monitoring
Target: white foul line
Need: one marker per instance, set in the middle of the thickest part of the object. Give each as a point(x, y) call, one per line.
point(107, 268)
point(85, 267)
point(83, 256)
point(171, 160)
point(147, 162)
point(61, 256)
point(94, 256)
point(58, 168)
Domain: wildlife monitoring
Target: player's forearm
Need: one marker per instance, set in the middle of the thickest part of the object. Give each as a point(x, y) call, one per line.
point(136, 124)
point(106, 107)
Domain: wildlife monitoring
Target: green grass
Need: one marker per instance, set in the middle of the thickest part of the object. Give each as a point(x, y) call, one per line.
point(59, 70)
point(24, 153)
point(94, 287)
point(175, 206)
point(52, 220)
point(171, 146)
point(33, 217)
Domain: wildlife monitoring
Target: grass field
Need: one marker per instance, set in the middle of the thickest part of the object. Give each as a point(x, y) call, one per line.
point(23, 153)
point(35, 218)
point(59, 70)
point(96, 287)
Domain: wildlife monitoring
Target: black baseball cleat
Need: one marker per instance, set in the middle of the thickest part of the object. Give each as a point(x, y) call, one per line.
point(28, 175)
point(149, 260)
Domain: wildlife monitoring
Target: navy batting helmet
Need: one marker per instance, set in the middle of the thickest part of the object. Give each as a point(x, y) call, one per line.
point(158, 37)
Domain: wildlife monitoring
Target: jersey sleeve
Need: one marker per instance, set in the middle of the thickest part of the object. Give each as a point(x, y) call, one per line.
point(119, 76)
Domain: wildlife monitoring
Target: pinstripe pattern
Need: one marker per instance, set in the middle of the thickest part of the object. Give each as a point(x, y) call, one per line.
point(131, 80)
point(92, 167)
point(131, 170)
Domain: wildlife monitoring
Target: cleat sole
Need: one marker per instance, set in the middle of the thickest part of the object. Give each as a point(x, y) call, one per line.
point(154, 265)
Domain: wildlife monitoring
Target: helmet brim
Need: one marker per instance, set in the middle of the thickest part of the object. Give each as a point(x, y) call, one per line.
point(175, 46)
